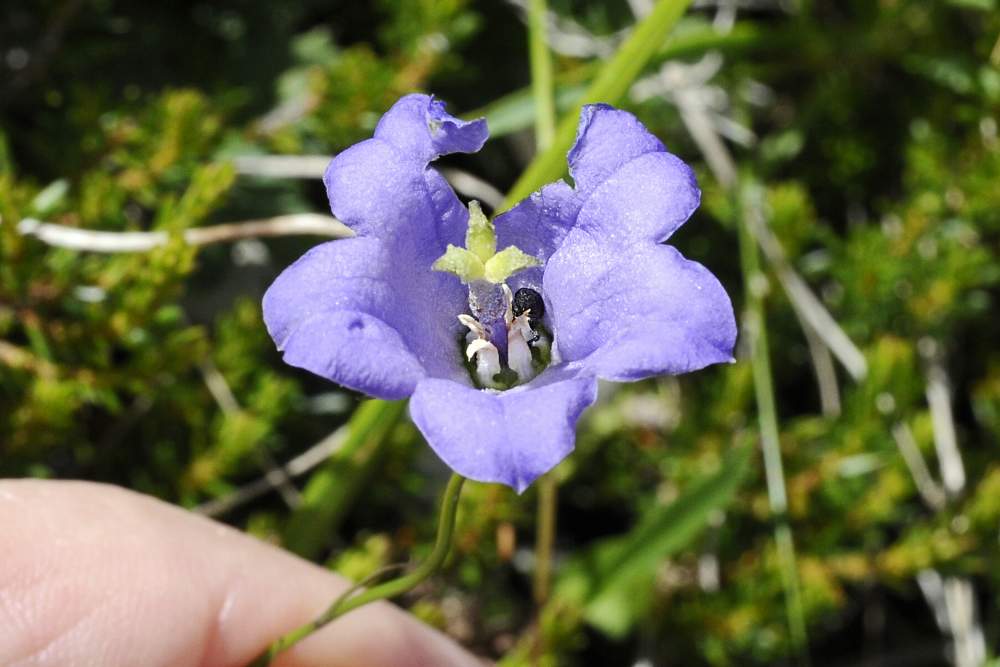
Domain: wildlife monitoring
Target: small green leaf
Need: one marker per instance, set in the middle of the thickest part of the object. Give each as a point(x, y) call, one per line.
point(461, 262)
point(49, 199)
point(507, 262)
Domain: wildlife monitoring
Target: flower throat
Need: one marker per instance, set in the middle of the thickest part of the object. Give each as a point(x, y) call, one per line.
point(506, 344)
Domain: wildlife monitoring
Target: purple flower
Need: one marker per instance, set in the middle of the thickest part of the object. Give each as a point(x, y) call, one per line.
point(501, 352)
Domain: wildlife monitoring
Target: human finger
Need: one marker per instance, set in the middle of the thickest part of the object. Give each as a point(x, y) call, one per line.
point(92, 574)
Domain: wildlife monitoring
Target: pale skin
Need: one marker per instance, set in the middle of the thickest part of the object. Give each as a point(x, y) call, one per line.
point(96, 575)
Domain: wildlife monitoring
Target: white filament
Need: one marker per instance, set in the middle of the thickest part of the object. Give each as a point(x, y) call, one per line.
point(518, 351)
point(487, 360)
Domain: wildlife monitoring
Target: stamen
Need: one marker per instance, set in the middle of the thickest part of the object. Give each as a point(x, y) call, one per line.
point(519, 337)
point(508, 297)
point(475, 328)
point(518, 351)
point(503, 327)
point(526, 300)
point(487, 361)
point(486, 354)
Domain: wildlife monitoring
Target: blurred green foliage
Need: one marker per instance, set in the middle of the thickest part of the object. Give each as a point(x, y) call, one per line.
point(874, 129)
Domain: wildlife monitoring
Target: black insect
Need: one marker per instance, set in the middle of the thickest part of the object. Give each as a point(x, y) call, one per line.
point(528, 299)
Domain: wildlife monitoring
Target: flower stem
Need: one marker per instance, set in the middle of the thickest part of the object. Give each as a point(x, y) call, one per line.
point(355, 597)
point(541, 75)
point(548, 494)
point(755, 329)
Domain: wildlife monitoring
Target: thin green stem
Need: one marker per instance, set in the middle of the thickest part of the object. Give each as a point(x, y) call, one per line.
point(548, 500)
point(755, 329)
point(375, 576)
point(541, 75)
point(352, 599)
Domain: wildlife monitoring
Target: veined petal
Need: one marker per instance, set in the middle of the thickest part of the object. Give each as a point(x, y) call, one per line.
point(382, 187)
point(510, 438)
point(351, 312)
point(368, 312)
point(627, 316)
point(646, 199)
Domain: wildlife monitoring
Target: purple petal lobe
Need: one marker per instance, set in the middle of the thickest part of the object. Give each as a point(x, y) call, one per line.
point(632, 187)
point(376, 192)
point(606, 139)
point(382, 186)
point(451, 217)
point(646, 198)
point(356, 350)
point(422, 130)
point(368, 312)
point(511, 438)
point(630, 315)
point(351, 312)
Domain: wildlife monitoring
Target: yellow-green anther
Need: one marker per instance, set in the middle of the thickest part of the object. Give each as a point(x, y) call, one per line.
point(507, 262)
point(480, 238)
point(459, 261)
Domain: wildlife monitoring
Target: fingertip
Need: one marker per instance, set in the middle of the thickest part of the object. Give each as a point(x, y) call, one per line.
point(124, 579)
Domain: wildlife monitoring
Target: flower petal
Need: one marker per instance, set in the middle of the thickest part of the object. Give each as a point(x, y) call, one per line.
point(512, 437)
point(538, 225)
point(382, 187)
point(356, 350)
point(630, 315)
point(368, 312)
point(631, 186)
point(606, 138)
point(422, 130)
point(351, 312)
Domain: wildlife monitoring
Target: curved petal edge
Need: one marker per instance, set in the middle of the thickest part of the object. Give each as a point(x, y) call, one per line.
point(631, 316)
point(510, 438)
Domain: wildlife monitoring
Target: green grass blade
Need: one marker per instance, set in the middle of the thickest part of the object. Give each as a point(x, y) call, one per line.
point(332, 489)
point(515, 111)
point(541, 75)
point(612, 580)
point(750, 203)
point(610, 85)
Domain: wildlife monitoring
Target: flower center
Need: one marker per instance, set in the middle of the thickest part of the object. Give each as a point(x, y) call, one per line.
point(506, 343)
point(510, 349)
